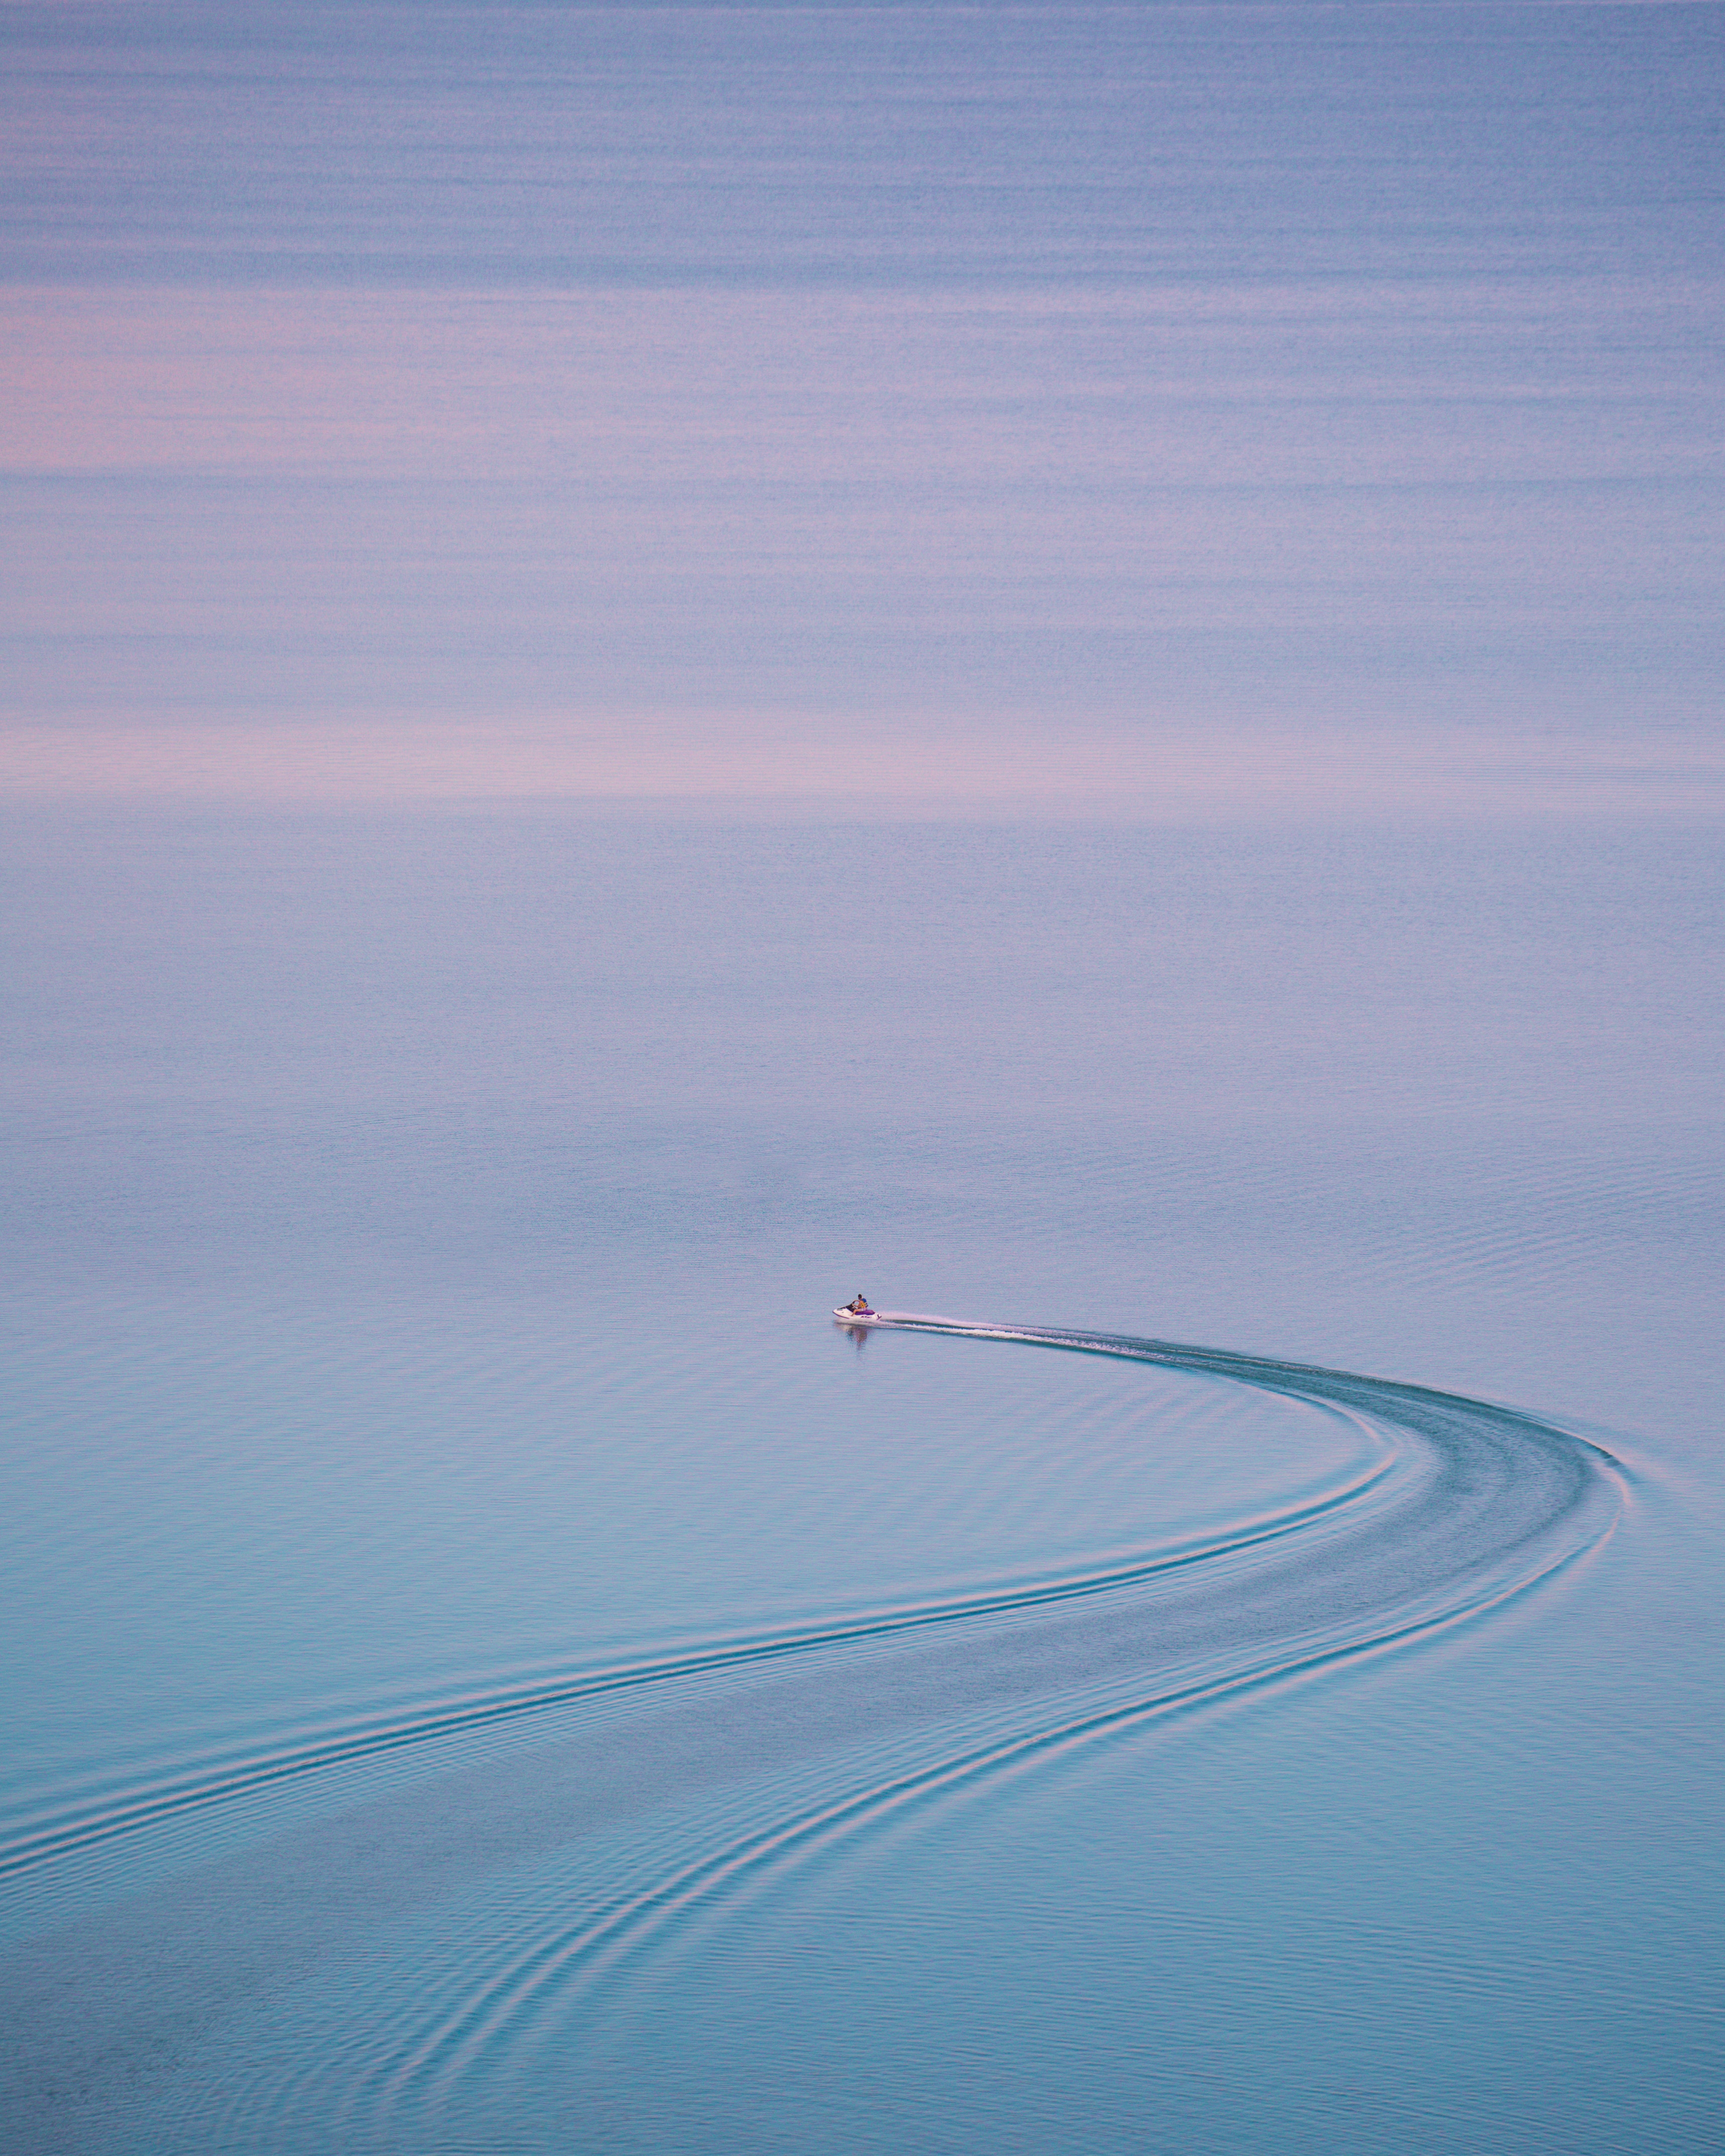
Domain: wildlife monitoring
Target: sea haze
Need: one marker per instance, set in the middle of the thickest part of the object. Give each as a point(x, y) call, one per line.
point(1123, 410)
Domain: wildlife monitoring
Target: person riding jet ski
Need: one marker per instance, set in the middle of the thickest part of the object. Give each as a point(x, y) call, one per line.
point(860, 1308)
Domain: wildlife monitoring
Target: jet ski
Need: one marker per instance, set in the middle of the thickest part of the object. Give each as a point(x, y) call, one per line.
point(858, 1316)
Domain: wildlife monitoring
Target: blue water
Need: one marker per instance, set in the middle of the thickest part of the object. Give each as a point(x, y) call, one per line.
point(1197, 529)
point(490, 1665)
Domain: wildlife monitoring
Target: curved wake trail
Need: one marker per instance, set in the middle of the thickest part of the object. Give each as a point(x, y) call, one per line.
point(103, 1815)
point(710, 1776)
point(1477, 1505)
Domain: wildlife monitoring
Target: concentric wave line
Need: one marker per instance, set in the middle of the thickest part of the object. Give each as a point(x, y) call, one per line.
point(71, 1833)
point(626, 1930)
point(604, 1942)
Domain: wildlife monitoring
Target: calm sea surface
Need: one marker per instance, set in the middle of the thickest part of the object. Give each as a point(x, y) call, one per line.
point(490, 1666)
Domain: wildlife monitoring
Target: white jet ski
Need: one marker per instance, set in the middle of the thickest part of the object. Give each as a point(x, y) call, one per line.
point(858, 1316)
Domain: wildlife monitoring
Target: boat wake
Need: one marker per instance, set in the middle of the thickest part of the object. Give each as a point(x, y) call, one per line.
point(670, 1794)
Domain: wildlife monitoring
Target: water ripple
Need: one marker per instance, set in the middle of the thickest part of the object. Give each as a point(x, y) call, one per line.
point(1474, 1505)
point(49, 1834)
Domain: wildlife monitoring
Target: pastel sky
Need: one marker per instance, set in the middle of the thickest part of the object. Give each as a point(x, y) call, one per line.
point(1149, 410)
